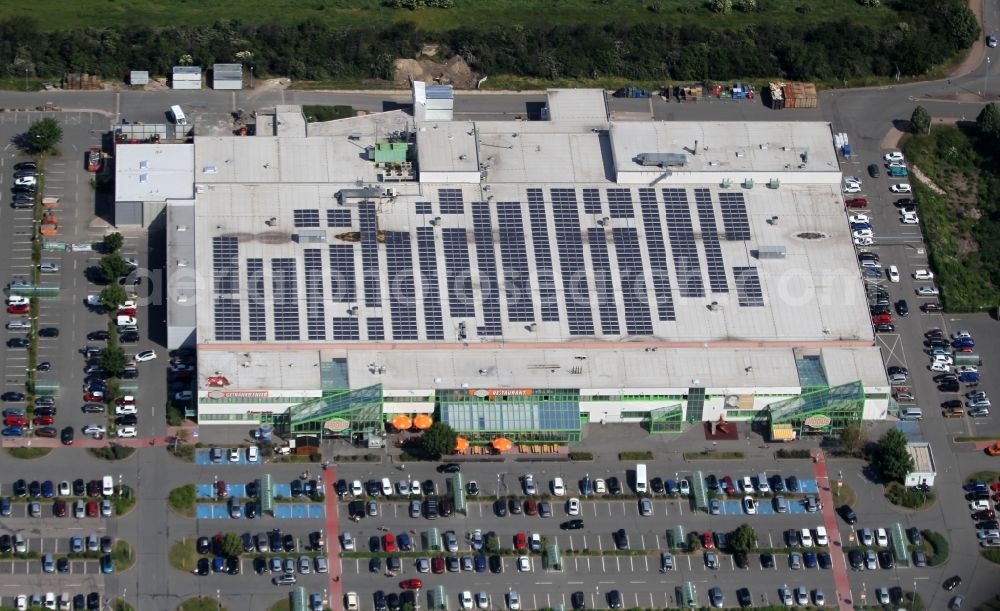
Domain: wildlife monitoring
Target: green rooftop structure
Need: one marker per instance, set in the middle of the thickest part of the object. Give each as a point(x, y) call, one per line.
point(822, 411)
point(349, 413)
point(668, 419)
point(525, 415)
point(391, 152)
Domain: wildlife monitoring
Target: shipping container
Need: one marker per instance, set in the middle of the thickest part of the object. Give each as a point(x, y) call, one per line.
point(799, 95)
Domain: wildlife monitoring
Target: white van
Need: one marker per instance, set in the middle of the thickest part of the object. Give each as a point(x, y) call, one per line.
point(910, 413)
point(386, 487)
point(641, 486)
point(178, 114)
point(107, 485)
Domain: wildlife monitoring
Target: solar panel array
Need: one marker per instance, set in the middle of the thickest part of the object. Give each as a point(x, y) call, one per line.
point(710, 238)
point(226, 265)
point(543, 256)
point(345, 328)
point(461, 299)
point(342, 274)
point(376, 329)
point(368, 228)
point(620, 203)
point(603, 283)
point(427, 251)
point(576, 293)
point(748, 289)
point(489, 287)
point(734, 215)
point(227, 319)
point(312, 261)
point(284, 286)
point(402, 294)
point(633, 281)
point(687, 265)
point(450, 201)
point(306, 218)
point(592, 201)
point(657, 254)
point(339, 217)
point(423, 208)
point(516, 274)
point(256, 311)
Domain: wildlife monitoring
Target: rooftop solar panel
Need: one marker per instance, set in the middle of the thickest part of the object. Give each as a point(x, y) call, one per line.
point(339, 217)
point(376, 329)
point(306, 218)
point(687, 265)
point(633, 281)
point(620, 203)
point(427, 250)
point(592, 201)
point(226, 265)
point(710, 238)
point(450, 201)
point(489, 288)
point(284, 286)
point(227, 319)
point(576, 292)
point(657, 254)
point(368, 226)
point(312, 261)
point(423, 208)
point(604, 287)
point(402, 294)
point(516, 279)
point(749, 292)
point(461, 300)
point(256, 309)
point(543, 256)
point(734, 215)
point(342, 275)
point(345, 328)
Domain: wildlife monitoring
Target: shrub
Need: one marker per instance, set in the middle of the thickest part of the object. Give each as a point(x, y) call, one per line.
point(182, 499)
point(635, 455)
point(783, 453)
point(911, 498)
point(723, 7)
point(581, 456)
point(936, 547)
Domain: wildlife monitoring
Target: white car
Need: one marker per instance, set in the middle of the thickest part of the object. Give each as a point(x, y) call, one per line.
point(852, 187)
point(573, 507)
point(979, 505)
point(893, 273)
point(893, 156)
point(965, 369)
point(600, 487)
point(864, 241)
point(21, 602)
point(881, 537)
point(909, 218)
point(126, 321)
point(988, 534)
point(64, 489)
point(94, 430)
point(927, 291)
point(465, 598)
point(684, 487)
point(523, 564)
point(128, 408)
point(356, 489)
point(145, 355)
point(126, 432)
point(860, 218)
point(47, 267)
point(529, 485)
point(943, 358)
point(558, 487)
point(253, 455)
point(25, 181)
point(923, 274)
point(867, 537)
point(852, 180)
point(903, 187)
point(514, 600)
point(234, 456)
point(483, 600)
point(863, 233)
point(17, 300)
point(821, 538)
point(896, 164)
point(961, 334)
point(940, 367)
point(749, 505)
point(882, 596)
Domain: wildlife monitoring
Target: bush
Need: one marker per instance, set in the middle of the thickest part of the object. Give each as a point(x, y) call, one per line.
point(28, 453)
point(936, 547)
point(783, 453)
point(182, 499)
point(318, 113)
point(635, 456)
point(581, 456)
point(111, 452)
point(911, 498)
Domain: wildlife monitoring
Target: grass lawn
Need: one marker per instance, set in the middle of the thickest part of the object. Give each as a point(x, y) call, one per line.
point(124, 556)
point(281, 605)
point(182, 500)
point(184, 555)
point(200, 603)
point(28, 453)
point(842, 495)
point(58, 14)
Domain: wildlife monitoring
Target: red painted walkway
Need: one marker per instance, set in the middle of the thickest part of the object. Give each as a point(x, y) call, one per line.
point(333, 541)
point(83, 441)
point(840, 580)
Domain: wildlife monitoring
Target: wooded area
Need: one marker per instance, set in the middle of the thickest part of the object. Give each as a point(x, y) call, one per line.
point(928, 33)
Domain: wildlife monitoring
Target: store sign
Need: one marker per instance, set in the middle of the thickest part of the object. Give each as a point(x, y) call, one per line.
point(337, 424)
point(493, 393)
point(246, 394)
point(818, 422)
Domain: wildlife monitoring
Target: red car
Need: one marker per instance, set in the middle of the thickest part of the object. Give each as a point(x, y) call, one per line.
point(94, 161)
point(411, 584)
point(18, 309)
point(707, 542)
point(94, 397)
point(44, 421)
point(437, 564)
point(728, 486)
point(221, 489)
point(59, 508)
point(126, 400)
point(531, 508)
point(390, 543)
point(21, 421)
point(91, 509)
point(126, 312)
point(520, 542)
point(882, 319)
point(986, 514)
point(857, 202)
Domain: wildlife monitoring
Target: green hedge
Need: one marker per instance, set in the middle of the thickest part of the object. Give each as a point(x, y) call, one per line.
point(635, 456)
point(936, 546)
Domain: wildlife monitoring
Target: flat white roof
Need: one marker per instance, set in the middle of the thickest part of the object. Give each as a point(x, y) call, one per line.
point(447, 146)
point(923, 460)
point(577, 105)
point(154, 172)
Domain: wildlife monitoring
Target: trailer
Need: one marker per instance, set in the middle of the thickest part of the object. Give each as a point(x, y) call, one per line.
point(632, 92)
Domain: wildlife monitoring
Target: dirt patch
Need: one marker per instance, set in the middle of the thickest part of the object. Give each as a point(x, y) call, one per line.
point(924, 179)
point(453, 72)
point(966, 245)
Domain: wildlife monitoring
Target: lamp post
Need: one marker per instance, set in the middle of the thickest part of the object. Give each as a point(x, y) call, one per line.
point(26, 78)
point(251, 77)
point(986, 86)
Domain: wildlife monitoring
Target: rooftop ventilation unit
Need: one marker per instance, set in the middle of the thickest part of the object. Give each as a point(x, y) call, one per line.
point(310, 236)
point(661, 160)
point(771, 251)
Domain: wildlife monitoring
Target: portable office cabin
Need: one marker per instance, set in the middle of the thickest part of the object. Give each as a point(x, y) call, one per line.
point(186, 77)
point(227, 76)
point(138, 77)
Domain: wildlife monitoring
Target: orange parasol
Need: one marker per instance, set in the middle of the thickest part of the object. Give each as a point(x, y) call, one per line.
point(423, 422)
point(461, 444)
point(402, 422)
point(502, 444)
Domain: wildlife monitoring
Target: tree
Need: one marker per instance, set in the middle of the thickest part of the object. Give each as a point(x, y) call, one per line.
point(988, 121)
point(112, 243)
point(920, 120)
point(743, 539)
point(113, 296)
point(113, 359)
point(890, 458)
point(438, 440)
point(853, 438)
point(43, 135)
point(232, 545)
point(113, 267)
point(723, 7)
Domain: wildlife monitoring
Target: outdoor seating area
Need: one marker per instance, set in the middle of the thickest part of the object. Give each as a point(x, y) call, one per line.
point(523, 448)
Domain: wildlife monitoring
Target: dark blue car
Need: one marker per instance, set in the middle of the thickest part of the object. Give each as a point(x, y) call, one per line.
point(48, 489)
point(480, 564)
point(963, 342)
point(12, 431)
point(107, 564)
point(810, 560)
